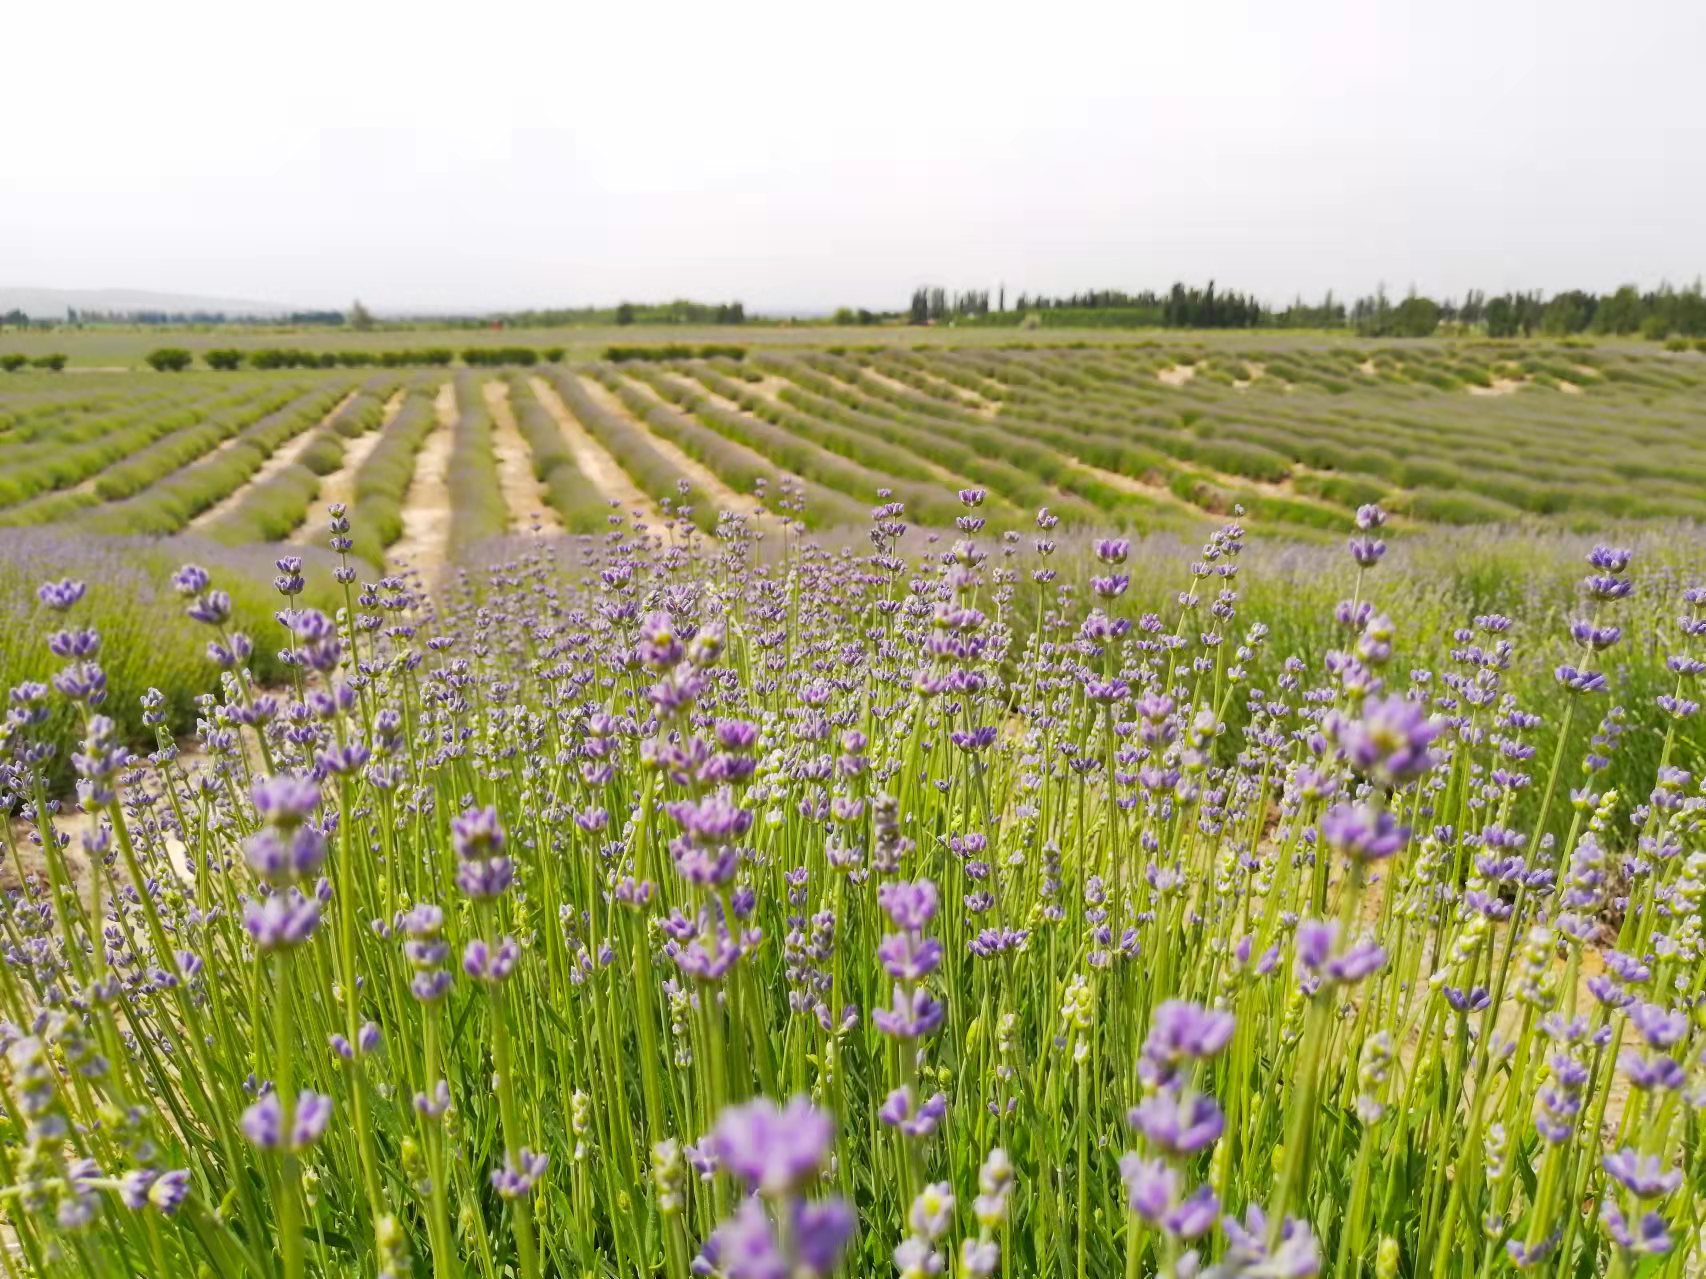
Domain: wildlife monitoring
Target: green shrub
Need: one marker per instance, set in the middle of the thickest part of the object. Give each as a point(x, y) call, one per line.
point(11, 362)
point(53, 363)
point(1426, 472)
point(495, 356)
point(1235, 457)
point(223, 359)
point(1346, 489)
point(169, 359)
point(1458, 508)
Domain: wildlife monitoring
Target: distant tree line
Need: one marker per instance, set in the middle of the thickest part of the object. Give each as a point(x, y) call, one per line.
point(149, 317)
point(1657, 313)
point(680, 311)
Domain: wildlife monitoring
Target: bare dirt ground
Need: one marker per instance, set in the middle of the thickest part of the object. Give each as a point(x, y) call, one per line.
point(283, 457)
point(339, 486)
point(1500, 386)
point(770, 386)
point(426, 509)
point(1130, 484)
point(26, 852)
point(593, 460)
point(522, 491)
point(1178, 375)
point(708, 487)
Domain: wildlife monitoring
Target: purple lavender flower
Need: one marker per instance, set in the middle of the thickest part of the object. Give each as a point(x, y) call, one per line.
point(517, 1178)
point(1652, 1072)
point(896, 1112)
point(744, 1247)
point(1659, 1026)
point(1153, 1193)
point(1317, 959)
point(1366, 551)
point(932, 1211)
point(1389, 742)
point(281, 920)
point(263, 1122)
point(914, 1016)
point(775, 1150)
point(907, 957)
point(1178, 1123)
point(62, 595)
point(475, 833)
point(487, 878)
point(165, 1192)
point(282, 856)
point(908, 905)
point(821, 1232)
point(285, 800)
point(1298, 1256)
point(1645, 1176)
point(1180, 1032)
point(190, 580)
point(1362, 832)
point(1649, 1237)
point(491, 964)
point(711, 822)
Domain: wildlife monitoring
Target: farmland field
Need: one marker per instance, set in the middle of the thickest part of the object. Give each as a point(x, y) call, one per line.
point(453, 807)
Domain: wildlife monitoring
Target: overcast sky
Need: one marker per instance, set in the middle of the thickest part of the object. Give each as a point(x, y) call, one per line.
point(809, 154)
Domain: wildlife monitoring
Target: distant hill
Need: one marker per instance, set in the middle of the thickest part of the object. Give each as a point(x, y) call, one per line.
point(52, 304)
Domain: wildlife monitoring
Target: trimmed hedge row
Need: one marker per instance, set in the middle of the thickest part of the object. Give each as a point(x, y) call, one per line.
point(381, 483)
point(579, 505)
point(170, 504)
point(652, 472)
point(477, 507)
point(674, 351)
point(732, 461)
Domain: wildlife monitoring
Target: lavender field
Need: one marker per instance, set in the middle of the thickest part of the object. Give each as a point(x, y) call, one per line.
point(1039, 813)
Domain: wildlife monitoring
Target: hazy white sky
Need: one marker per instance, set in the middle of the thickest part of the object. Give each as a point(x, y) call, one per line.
point(800, 153)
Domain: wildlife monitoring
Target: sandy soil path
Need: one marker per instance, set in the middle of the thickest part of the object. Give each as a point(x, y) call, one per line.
point(707, 487)
point(523, 494)
point(282, 457)
point(339, 486)
point(591, 458)
point(426, 508)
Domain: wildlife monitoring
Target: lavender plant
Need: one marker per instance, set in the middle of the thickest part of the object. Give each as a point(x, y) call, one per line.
point(663, 904)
